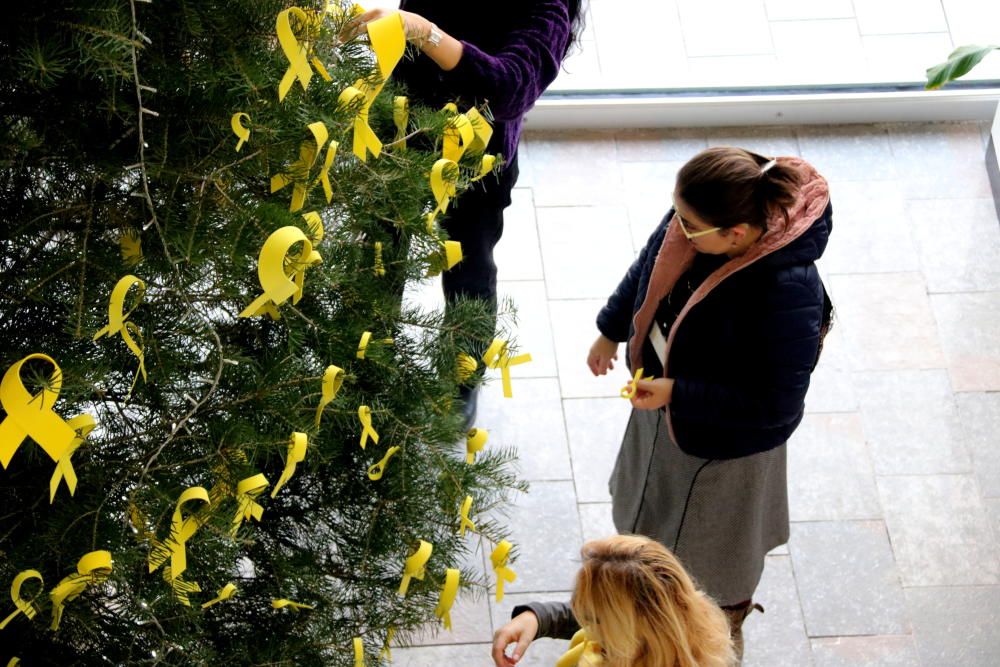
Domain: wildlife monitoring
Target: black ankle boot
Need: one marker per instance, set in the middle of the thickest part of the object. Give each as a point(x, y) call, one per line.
point(468, 396)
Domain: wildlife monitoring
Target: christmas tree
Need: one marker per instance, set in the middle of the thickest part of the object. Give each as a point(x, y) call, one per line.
point(224, 436)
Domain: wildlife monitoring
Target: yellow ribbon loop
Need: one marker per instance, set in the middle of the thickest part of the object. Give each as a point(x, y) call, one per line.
point(314, 224)
point(386, 652)
point(448, 593)
point(324, 173)
point(181, 530)
point(83, 425)
point(475, 440)
point(485, 167)
point(376, 470)
point(280, 284)
point(26, 607)
point(582, 651)
point(444, 180)
point(224, 593)
point(32, 415)
point(359, 653)
point(466, 366)
point(379, 266)
point(130, 245)
point(466, 522)
point(14, 662)
point(298, 171)
point(450, 255)
point(458, 137)
point(282, 603)
point(247, 492)
point(482, 129)
point(496, 357)
point(363, 344)
point(365, 140)
point(414, 567)
point(296, 454)
point(365, 415)
point(499, 558)
point(93, 568)
point(333, 378)
point(242, 132)
point(299, 53)
point(117, 316)
point(628, 391)
point(400, 118)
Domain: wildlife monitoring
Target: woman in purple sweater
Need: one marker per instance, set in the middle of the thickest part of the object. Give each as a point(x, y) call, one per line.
point(502, 55)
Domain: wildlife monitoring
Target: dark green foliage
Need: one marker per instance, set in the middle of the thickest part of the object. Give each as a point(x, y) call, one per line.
point(223, 394)
point(960, 62)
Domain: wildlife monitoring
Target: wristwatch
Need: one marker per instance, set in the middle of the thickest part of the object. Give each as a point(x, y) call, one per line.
point(433, 37)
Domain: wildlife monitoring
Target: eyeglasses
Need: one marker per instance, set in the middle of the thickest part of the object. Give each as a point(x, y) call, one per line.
point(693, 235)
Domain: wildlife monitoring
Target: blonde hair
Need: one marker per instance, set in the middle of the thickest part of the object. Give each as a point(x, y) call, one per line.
point(638, 603)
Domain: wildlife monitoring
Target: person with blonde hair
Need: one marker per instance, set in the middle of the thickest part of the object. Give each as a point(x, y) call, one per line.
point(633, 605)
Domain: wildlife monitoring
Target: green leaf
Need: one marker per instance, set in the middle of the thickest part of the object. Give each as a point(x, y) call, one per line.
point(961, 60)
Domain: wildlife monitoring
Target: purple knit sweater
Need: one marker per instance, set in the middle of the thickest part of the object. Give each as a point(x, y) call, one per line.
point(512, 52)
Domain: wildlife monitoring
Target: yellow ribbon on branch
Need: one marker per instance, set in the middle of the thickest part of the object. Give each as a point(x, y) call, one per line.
point(582, 651)
point(93, 568)
point(496, 357)
point(280, 284)
point(459, 134)
point(333, 378)
point(466, 522)
point(22, 606)
point(466, 366)
point(449, 256)
point(315, 225)
point(83, 425)
point(379, 265)
point(386, 652)
point(499, 558)
point(242, 132)
point(415, 565)
point(181, 530)
point(282, 603)
point(298, 172)
point(475, 440)
point(297, 51)
point(118, 320)
point(296, 454)
point(224, 593)
point(448, 594)
point(359, 652)
point(400, 118)
point(368, 431)
point(376, 471)
point(247, 492)
point(444, 181)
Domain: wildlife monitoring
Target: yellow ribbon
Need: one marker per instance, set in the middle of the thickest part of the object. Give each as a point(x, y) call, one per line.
point(333, 378)
point(499, 558)
point(444, 180)
point(475, 440)
point(466, 521)
point(467, 365)
point(247, 492)
point(448, 593)
point(628, 391)
point(481, 128)
point(117, 316)
point(26, 607)
point(375, 471)
point(386, 652)
point(315, 225)
point(415, 564)
point(324, 172)
point(181, 530)
point(83, 425)
point(296, 454)
point(278, 284)
point(379, 266)
point(282, 603)
point(496, 357)
point(224, 593)
point(359, 653)
point(14, 662)
point(32, 415)
point(93, 568)
point(298, 53)
point(131, 247)
point(181, 588)
point(363, 344)
point(458, 136)
point(243, 133)
point(365, 415)
point(400, 118)
point(485, 167)
point(450, 255)
point(298, 171)
point(582, 651)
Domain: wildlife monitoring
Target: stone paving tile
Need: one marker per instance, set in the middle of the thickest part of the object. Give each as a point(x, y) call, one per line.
point(545, 529)
point(595, 518)
point(836, 54)
point(971, 21)
point(798, 10)
point(831, 388)
point(470, 622)
point(848, 152)
point(518, 255)
point(912, 422)
point(649, 189)
point(883, 17)
point(956, 626)
point(564, 167)
point(940, 533)
point(574, 329)
point(904, 58)
point(777, 638)
point(743, 32)
point(971, 338)
point(622, 42)
point(466, 655)
point(531, 332)
point(954, 150)
point(826, 554)
point(767, 141)
point(967, 258)
point(595, 428)
point(830, 475)
point(660, 145)
point(886, 651)
point(979, 419)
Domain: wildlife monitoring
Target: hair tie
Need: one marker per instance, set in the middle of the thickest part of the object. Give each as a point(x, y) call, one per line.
point(767, 166)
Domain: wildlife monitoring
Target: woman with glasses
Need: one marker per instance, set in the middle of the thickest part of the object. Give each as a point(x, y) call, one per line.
point(724, 313)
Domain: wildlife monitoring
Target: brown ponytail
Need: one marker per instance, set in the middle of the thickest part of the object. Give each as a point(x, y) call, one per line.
point(728, 186)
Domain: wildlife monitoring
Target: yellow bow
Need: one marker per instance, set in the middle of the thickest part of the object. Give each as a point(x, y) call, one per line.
point(117, 317)
point(363, 344)
point(324, 172)
point(333, 378)
point(243, 133)
point(278, 284)
point(298, 171)
point(499, 558)
point(466, 522)
point(224, 593)
point(282, 603)
point(482, 129)
point(365, 415)
point(450, 255)
point(475, 440)
point(32, 415)
point(247, 491)
point(496, 357)
point(444, 180)
point(83, 425)
point(298, 53)
point(415, 564)
point(379, 266)
point(93, 568)
point(181, 530)
point(485, 166)
point(400, 118)
point(458, 136)
point(582, 651)
point(375, 471)
point(26, 607)
point(296, 454)
point(448, 593)
point(628, 391)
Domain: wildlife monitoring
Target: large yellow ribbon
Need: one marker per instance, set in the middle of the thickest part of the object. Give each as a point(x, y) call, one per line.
point(466, 522)
point(448, 594)
point(298, 52)
point(298, 171)
point(376, 471)
point(282, 603)
point(315, 225)
point(118, 316)
point(499, 558)
point(224, 593)
point(365, 140)
point(628, 391)
point(400, 118)
point(582, 651)
point(466, 366)
point(242, 132)
point(26, 607)
point(444, 180)
point(83, 425)
point(32, 415)
point(482, 130)
point(359, 652)
point(14, 662)
point(368, 431)
point(93, 568)
point(296, 454)
point(450, 255)
point(458, 137)
point(415, 565)
point(475, 440)
point(280, 284)
point(496, 357)
point(247, 492)
point(333, 378)
point(181, 530)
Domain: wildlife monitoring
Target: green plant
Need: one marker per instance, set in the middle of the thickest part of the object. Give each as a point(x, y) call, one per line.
point(958, 64)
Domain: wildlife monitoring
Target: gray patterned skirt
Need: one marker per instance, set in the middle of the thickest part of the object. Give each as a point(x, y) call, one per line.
point(720, 517)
